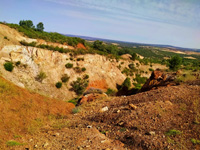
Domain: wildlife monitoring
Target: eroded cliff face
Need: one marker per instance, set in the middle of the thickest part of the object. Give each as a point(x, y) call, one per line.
point(102, 72)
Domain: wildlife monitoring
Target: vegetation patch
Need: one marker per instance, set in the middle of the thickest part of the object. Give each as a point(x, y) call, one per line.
point(13, 143)
point(195, 141)
point(173, 132)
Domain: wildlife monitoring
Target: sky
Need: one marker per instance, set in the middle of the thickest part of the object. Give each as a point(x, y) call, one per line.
point(168, 22)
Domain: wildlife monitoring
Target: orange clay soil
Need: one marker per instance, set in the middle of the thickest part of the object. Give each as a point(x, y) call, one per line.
point(23, 112)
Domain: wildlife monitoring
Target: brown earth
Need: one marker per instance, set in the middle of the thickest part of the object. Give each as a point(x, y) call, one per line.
point(139, 121)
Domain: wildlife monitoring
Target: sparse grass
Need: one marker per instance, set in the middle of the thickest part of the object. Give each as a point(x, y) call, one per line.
point(76, 110)
point(122, 129)
point(13, 143)
point(60, 123)
point(173, 132)
point(195, 141)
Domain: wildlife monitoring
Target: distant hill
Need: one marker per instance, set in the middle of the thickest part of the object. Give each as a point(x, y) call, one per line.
point(132, 44)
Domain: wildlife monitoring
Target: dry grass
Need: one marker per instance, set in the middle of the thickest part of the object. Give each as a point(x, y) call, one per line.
point(23, 112)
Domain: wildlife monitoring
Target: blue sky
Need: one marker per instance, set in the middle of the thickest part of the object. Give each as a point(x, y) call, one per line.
point(173, 22)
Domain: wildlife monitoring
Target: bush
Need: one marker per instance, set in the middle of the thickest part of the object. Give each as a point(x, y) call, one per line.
point(9, 66)
point(150, 69)
point(127, 83)
point(59, 85)
point(69, 65)
point(79, 85)
point(83, 69)
point(41, 76)
point(65, 78)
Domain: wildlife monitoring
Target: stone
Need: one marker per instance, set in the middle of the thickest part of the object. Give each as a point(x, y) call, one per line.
point(104, 109)
point(133, 106)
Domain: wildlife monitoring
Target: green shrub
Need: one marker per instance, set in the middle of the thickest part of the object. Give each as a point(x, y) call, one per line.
point(79, 85)
point(139, 79)
point(126, 83)
point(150, 69)
point(65, 78)
point(173, 132)
point(41, 76)
point(69, 65)
point(13, 143)
point(58, 85)
point(9, 66)
point(83, 69)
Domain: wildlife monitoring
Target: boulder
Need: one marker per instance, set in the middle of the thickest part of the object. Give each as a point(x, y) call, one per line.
point(159, 78)
point(91, 97)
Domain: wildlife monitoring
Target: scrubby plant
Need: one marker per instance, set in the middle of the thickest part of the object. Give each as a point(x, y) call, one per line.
point(75, 110)
point(65, 78)
point(9, 66)
point(80, 59)
point(110, 92)
point(41, 76)
point(58, 85)
point(79, 85)
point(131, 66)
point(5, 37)
point(69, 65)
point(194, 141)
point(18, 63)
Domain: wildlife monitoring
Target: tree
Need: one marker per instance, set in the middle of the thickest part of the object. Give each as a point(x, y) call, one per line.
point(40, 26)
point(175, 62)
point(26, 23)
point(126, 83)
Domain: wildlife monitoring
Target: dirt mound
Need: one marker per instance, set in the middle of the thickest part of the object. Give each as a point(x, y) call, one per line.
point(23, 112)
point(158, 79)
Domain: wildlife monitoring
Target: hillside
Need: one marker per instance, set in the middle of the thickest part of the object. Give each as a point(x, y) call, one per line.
point(24, 112)
point(126, 97)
